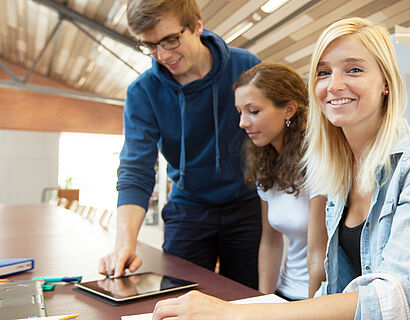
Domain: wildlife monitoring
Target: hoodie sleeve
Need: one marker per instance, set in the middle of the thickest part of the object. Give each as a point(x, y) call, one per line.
point(136, 174)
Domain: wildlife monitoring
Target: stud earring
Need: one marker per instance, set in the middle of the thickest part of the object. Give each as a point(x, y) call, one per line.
point(288, 122)
point(386, 91)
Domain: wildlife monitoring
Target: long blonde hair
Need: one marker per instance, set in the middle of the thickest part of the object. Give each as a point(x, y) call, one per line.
point(327, 151)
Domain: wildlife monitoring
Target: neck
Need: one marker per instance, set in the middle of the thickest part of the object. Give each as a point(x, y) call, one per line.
point(200, 69)
point(358, 139)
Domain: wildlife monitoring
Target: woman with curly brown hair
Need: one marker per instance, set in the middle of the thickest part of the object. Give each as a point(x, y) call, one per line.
point(272, 101)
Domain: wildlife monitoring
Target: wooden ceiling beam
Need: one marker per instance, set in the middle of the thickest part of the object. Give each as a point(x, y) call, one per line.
point(68, 14)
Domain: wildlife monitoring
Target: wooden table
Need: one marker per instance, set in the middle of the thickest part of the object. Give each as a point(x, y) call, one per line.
point(65, 244)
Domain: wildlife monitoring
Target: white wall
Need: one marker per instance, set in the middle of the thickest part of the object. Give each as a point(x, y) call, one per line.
point(403, 57)
point(28, 163)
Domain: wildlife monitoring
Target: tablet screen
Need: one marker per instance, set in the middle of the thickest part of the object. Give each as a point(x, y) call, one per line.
point(135, 286)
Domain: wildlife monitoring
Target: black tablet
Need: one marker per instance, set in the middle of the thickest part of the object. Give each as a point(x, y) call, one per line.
point(135, 286)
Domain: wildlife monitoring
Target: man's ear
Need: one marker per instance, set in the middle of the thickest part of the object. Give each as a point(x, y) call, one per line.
point(291, 109)
point(199, 27)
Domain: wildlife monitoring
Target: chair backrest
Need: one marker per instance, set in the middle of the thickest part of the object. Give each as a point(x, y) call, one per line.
point(49, 195)
point(105, 218)
point(89, 213)
point(63, 202)
point(74, 206)
point(81, 210)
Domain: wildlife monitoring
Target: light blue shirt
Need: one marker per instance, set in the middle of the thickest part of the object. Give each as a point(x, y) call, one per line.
point(384, 287)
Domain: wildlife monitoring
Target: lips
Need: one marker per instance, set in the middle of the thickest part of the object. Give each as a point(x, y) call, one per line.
point(172, 64)
point(251, 134)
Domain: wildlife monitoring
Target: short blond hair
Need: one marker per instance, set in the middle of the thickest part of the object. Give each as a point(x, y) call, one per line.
point(327, 151)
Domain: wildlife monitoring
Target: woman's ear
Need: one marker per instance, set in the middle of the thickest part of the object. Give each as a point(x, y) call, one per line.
point(386, 89)
point(291, 109)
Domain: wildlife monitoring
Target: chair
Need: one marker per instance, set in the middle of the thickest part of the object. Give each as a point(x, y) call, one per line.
point(74, 206)
point(63, 202)
point(81, 210)
point(89, 213)
point(50, 196)
point(105, 219)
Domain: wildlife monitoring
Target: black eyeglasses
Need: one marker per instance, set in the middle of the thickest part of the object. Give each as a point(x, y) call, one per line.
point(168, 43)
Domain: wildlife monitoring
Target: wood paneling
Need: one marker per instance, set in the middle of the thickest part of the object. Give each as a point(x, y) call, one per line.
point(23, 110)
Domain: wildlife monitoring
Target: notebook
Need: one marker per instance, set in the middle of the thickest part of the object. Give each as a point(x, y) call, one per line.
point(12, 266)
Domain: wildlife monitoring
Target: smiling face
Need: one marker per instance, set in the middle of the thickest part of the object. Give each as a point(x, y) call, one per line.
point(350, 86)
point(178, 61)
point(263, 121)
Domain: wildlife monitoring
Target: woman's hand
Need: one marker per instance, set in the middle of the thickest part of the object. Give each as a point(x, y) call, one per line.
point(194, 305)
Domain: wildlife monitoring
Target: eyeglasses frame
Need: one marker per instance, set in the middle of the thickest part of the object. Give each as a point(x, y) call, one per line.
point(176, 35)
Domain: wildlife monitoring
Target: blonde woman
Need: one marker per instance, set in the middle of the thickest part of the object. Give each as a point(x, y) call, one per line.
point(358, 152)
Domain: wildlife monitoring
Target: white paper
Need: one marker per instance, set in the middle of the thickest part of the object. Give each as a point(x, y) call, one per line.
point(64, 317)
point(142, 316)
point(267, 298)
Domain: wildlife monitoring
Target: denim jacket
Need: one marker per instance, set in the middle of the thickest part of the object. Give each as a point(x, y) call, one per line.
point(384, 286)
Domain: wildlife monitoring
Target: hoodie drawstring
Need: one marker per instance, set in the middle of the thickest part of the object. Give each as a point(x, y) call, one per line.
point(182, 103)
point(216, 122)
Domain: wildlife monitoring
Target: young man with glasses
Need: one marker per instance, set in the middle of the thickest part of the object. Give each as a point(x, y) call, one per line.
point(184, 107)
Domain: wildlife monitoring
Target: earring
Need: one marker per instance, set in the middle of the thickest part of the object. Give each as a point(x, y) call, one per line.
point(386, 91)
point(288, 122)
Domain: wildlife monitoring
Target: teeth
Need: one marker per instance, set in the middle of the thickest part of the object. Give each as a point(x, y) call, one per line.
point(340, 101)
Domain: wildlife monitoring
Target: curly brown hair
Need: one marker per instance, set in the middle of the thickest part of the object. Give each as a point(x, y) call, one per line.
point(264, 166)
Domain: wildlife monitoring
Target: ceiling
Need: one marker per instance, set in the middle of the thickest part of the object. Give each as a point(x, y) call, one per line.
point(86, 44)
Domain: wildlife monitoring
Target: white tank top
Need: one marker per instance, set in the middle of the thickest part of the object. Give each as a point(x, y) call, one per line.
point(289, 215)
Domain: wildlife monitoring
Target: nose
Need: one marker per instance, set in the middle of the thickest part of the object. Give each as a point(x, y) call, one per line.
point(243, 122)
point(336, 82)
point(162, 53)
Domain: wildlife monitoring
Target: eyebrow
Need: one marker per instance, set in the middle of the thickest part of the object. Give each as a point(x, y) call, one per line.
point(322, 63)
point(164, 38)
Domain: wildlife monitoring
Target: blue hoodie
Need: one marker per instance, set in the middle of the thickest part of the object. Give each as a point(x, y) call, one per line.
point(196, 128)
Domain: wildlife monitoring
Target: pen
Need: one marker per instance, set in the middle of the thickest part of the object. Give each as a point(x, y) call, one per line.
point(59, 279)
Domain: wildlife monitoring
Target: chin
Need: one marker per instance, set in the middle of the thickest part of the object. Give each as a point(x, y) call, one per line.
point(339, 122)
point(259, 143)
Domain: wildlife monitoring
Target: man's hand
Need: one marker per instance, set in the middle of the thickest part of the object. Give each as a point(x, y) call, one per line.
point(129, 220)
point(116, 262)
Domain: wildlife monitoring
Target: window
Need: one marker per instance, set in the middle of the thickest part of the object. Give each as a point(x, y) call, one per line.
point(91, 162)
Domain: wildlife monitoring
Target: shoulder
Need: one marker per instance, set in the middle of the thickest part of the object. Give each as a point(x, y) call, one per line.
point(242, 56)
point(146, 81)
point(400, 154)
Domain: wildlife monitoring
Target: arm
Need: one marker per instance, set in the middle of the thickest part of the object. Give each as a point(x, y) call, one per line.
point(129, 221)
point(317, 239)
point(136, 179)
point(270, 254)
point(198, 306)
